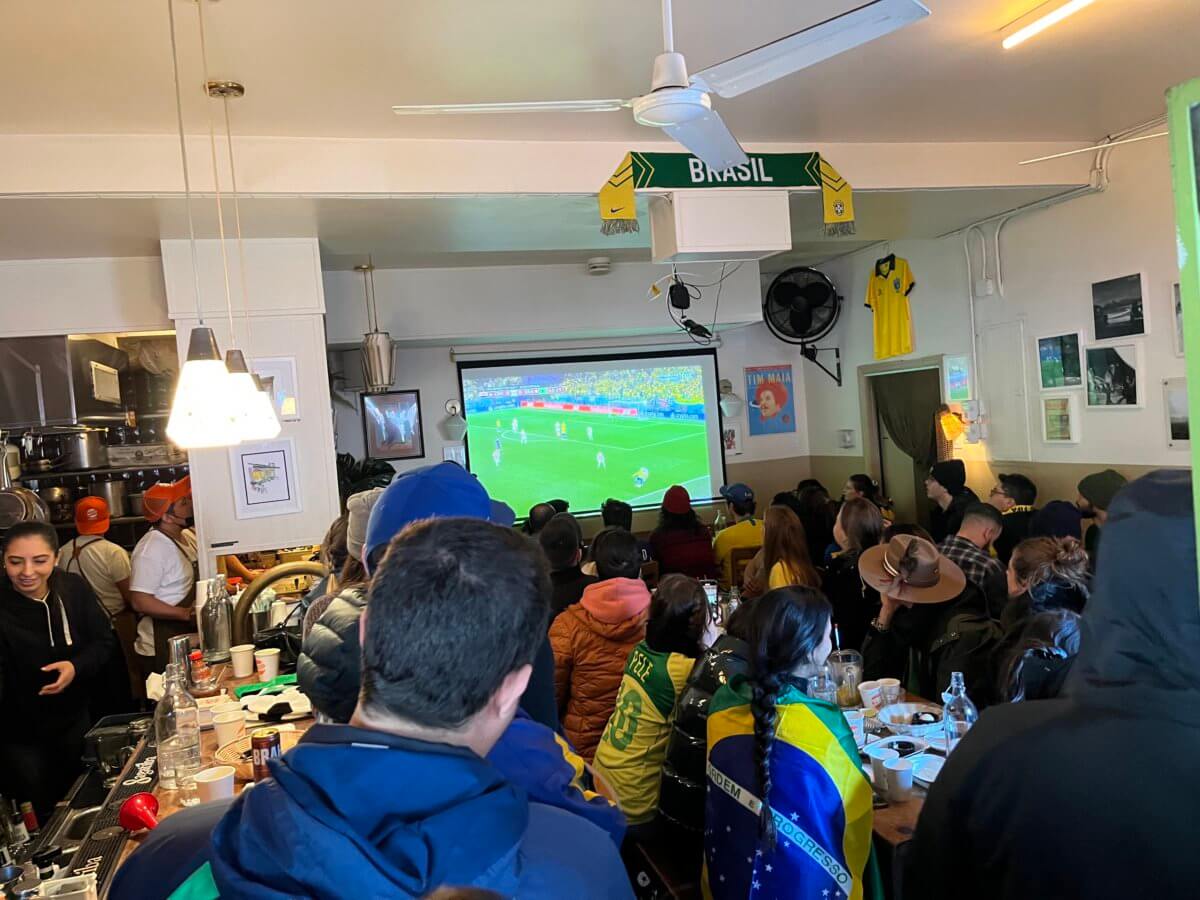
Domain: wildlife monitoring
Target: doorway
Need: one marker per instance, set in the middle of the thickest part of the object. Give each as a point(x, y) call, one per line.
point(905, 406)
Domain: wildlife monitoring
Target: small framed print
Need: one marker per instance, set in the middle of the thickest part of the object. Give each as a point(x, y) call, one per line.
point(265, 481)
point(1060, 418)
point(392, 425)
point(278, 375)
point(731, 438)
point(1114, 374)
point(1177, 303)
point(1058, 361)
point(1175, 399)
point(1118, 308)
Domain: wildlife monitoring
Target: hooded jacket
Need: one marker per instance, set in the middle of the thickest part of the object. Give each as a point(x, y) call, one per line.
point(592, 640)
point(1088, 795)
point(351, 812)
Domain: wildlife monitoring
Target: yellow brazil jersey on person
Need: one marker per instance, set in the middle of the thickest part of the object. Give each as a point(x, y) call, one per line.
point(887, 296)
point(746, 534)
point(634, 745)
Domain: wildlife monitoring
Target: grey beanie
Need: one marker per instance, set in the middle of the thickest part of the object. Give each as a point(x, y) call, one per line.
point(358, 512)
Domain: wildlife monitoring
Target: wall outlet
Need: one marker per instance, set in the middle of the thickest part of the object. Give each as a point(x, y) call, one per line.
point(984, 287)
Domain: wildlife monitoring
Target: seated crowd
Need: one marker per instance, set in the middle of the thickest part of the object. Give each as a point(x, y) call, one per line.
point(507, 714)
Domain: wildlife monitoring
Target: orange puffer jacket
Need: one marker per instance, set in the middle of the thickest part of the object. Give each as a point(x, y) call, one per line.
point(592, 640)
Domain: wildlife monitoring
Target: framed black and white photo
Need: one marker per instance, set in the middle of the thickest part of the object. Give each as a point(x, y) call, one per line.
point(392, 425)
point(1060, 418)
point(1117, 308)
point(1179, 435)
point(1058, 361)
point(1114, 376)
point(265, 481)
point(1177, 301)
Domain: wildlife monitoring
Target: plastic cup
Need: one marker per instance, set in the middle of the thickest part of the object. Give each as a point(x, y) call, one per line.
point(878, 756)
point(899, 779)
point(229, 726)
point(871, 693)
point(217, 783)
point(854, 718)
point(243, 660)
point(891, 690)
point(267, 663)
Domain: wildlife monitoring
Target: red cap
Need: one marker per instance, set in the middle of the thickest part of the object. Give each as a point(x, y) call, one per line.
point(677, 501)
point(158, 498)
point(91, 515)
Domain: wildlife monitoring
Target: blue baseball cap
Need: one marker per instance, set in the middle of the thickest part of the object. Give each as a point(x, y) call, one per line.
point(738, 493)
point(445, 490)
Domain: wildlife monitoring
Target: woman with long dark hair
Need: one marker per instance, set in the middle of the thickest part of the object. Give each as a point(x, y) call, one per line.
point(785, 551)
point(1038, 663)
point(864, 487)
point(789, 809)
point(858, 527)
point(681, 542)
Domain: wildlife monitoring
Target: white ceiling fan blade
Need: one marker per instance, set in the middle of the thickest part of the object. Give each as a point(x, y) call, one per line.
point(710, 140)
point(772, 61)
point(538, 106)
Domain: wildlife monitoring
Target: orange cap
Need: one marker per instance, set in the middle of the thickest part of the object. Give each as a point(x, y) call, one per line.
point(158, 498)
point(91, 515)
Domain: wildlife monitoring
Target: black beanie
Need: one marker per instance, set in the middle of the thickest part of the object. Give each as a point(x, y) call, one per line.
point(950, 474)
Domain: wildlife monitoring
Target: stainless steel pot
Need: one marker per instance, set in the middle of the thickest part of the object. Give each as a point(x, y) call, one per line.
point(84, 449)
point(134, 504)
point(113, 493)
point(59, 502)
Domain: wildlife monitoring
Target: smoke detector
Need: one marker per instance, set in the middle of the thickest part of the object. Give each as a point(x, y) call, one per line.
point(599, 265)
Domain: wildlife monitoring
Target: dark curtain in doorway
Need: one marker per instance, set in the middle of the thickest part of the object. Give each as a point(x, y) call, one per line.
point(907, 407)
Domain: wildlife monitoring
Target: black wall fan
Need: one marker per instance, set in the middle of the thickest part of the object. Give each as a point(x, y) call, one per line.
point(801, 307)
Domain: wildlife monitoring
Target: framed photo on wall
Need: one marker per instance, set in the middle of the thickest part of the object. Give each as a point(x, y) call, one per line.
point(731, 438)
point(265, 481)
point(392, 425)
point(1118, 309)
point(1114, 373)
point(957, 371)
point(1060, 418)
point(1058, 361)
point(1175, 399)
point(278, 374)
point(1177, 303)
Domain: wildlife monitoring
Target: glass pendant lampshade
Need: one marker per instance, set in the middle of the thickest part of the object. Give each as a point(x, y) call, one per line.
point(201, 412)
point(255, 413)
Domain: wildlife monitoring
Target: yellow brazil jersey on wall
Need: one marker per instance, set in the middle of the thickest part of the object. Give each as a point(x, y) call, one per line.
point(887, 296)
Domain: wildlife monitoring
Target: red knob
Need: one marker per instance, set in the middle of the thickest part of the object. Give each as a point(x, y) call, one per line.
point(138, 812)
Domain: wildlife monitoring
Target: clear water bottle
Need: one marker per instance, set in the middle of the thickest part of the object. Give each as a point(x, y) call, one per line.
point(719, 522)
point(959, 713)
point(216, 622)
point(823, 684)
point(177, 728)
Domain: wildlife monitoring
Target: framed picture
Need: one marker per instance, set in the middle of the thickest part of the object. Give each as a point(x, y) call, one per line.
point(1060, 418)
point(958, 378)
point(1175, 399)
point(731, 438)
point(265, 480)
point(392, 425)
point(278, 374)
point(770, 396)
point(1177, 300)
point(1117, 307)
point(1058, 361)
point(1113, 376)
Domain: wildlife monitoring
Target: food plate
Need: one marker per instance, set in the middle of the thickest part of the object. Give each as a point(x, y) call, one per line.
point(926, 767)
point(259, 705)
point(919, 745)
point(898, 718)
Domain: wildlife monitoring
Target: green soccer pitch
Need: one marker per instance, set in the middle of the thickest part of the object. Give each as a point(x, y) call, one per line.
point(546, 467)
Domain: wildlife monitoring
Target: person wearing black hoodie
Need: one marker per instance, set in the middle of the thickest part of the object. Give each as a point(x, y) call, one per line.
point(946, 486)
point(56, 640)
point(1088, 795)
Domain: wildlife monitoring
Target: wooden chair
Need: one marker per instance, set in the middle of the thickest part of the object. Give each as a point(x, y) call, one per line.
point(649, 573)
point(739, 559)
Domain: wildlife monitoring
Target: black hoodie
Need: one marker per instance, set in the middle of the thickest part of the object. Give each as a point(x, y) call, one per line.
point(1093, 795)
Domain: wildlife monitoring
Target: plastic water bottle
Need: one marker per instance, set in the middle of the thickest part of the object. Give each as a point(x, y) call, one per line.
point(959, 714)
point(177, 728)
point(216, 622)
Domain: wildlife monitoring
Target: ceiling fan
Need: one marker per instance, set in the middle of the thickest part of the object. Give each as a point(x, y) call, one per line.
point(681, 106)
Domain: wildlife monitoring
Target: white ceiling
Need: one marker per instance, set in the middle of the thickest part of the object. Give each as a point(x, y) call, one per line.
point(456, 231)
point(334, 69)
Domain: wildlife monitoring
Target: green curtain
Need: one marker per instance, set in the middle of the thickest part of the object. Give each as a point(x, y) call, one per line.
point(907, 403)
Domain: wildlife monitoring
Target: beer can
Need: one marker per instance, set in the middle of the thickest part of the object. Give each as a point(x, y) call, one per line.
point(264, 745)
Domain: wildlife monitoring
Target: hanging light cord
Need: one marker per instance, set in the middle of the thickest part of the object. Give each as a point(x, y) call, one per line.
point(187, 187)
point(374, 309)
point(212, 140)
point(237, 221)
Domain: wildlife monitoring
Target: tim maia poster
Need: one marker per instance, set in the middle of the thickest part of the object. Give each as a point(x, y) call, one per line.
point(772, 404)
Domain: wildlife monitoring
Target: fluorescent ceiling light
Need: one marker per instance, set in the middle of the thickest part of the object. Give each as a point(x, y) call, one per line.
point(1040, 24)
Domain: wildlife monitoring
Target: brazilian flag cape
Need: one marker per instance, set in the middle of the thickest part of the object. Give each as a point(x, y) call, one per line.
point(820, 800)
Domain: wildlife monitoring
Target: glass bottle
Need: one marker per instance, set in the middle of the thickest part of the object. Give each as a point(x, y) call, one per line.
point(204, 683)
point(959, 713)
point(216, 622)
point(177, 729)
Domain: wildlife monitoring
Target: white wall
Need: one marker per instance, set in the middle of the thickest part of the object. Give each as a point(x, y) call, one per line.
point(1050, 259)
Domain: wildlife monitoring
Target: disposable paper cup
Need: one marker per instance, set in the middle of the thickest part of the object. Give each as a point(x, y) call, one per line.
point(229, 726)
point(871, 693)
point(854, 718)
point(230, 706)
point(878, 756)
point(279, 612)
point(217, 783)
point(899, 779)
point(891, 690)
point(243, 660)
point(267, 663)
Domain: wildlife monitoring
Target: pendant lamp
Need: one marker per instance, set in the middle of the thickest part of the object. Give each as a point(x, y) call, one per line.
point(378, 349)
point(200, 415)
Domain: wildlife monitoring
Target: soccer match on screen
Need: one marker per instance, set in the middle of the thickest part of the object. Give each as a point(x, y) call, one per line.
point(587, 436)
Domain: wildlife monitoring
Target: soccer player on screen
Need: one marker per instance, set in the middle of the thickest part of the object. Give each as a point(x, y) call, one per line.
point(515, 428)
point(589, 432)
point(524, 437)
point(496, 456)
point(640, 477)
point(558, 429)
point(600, 463)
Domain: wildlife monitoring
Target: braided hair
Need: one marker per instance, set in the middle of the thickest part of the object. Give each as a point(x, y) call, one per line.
point(786, 626)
